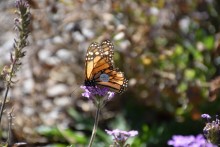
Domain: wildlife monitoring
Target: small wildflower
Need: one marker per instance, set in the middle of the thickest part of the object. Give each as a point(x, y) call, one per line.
point(21, 4)
point(189, 141)
point(212, 130)
point(206, 116)
point(120, 137)
point(21, 24)
point(94, 92)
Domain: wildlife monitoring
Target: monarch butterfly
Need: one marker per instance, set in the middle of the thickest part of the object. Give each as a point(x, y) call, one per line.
point(99, 68)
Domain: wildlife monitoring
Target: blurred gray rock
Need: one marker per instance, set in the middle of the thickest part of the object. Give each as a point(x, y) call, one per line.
point(57, 90)
point(64, 55)
point(62, 101)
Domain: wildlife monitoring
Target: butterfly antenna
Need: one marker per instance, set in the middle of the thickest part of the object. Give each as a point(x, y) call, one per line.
point(74, 92)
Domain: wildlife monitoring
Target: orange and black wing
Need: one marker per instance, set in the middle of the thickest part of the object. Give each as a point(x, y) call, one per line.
point(108, 50)
point(117, 81)
point(95, 61)
point(99, 60)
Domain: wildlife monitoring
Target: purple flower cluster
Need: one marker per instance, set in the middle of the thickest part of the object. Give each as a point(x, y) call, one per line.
point(189, 141)
point(22, 25)
point(212, 129)
point(21, 4)
point(120, 137)
point(206, 116)
point(91, 92)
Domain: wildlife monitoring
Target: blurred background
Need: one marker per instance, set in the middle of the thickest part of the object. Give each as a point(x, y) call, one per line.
point(167, 49)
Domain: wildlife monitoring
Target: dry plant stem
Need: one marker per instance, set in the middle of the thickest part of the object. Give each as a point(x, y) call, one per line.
point(3, 103)
point(6, 93)
point(10, 117)
point(95, 124)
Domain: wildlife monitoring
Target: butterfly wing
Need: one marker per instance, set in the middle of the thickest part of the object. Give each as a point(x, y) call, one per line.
point(95, 61)
point(108, 50)
point(117, 81)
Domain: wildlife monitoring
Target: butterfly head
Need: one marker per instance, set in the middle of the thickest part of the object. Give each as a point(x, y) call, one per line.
point(90, 82)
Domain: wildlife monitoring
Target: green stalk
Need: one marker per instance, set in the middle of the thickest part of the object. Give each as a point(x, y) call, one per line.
point(95, 124)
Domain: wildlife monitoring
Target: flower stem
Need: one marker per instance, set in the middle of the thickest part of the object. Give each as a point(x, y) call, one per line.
point(3, 103)
point(10, 117)
point(7, 89)
point(95, 124)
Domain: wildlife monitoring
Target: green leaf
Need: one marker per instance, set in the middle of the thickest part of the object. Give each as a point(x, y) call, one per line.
point(57, 145)
point(74, 114)
point(189, 74)
point(178, 50)
point(182, 87)
point(209, 42)
point(49, 131)
point(73, 137)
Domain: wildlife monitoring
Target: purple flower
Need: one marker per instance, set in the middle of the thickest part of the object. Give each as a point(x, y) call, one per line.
point(120, 136)
point(22, 26)
point(189, 141)
point(21, 4)
point(212, 129)
point(206, 116)
point(94, 92)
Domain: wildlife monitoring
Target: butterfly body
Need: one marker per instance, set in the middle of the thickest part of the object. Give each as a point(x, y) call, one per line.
point(99, 68)
point(90, 82)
